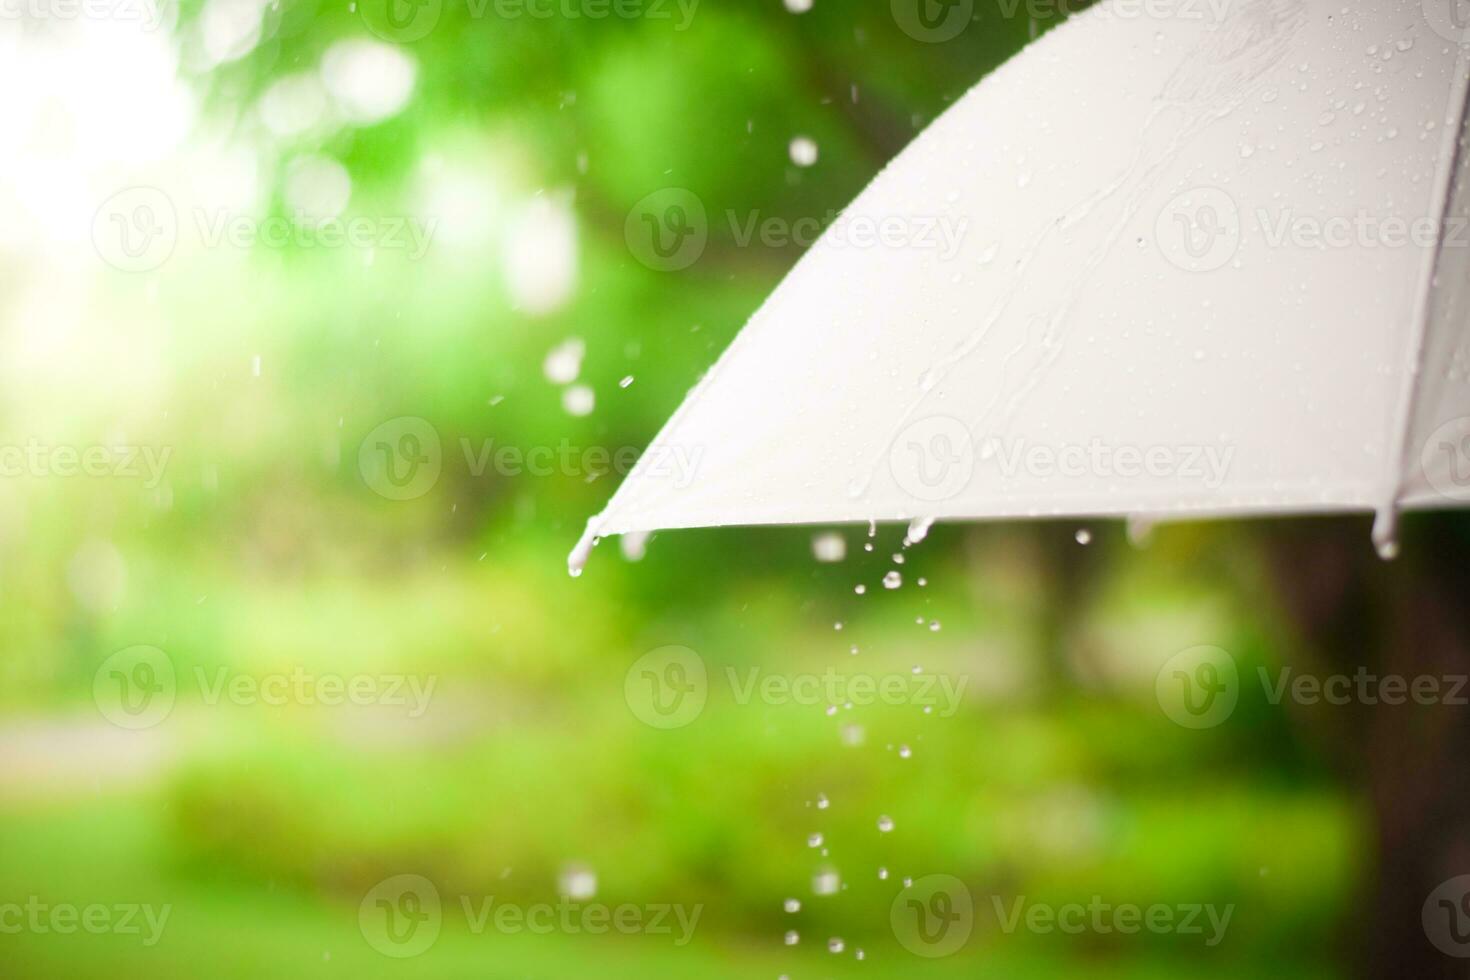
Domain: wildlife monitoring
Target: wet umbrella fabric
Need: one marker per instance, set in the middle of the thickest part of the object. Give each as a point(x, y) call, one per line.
point(1199, 267)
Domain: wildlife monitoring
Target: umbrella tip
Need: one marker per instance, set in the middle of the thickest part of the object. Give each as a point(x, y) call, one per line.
point(577, 560)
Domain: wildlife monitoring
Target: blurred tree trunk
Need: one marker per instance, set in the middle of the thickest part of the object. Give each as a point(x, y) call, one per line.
point(1410, 617)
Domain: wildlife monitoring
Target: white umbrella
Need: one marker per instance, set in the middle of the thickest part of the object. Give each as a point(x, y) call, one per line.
point(1204, 266)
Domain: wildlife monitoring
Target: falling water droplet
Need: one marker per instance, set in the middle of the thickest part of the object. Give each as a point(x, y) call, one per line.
point(803, 150)
point(829, 547)
point(578, 400)
point(918, 530)
point(564, 362)
point(577, 882)
point(1084, 536)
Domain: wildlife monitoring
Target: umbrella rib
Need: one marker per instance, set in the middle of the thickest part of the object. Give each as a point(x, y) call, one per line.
point(1385, 524)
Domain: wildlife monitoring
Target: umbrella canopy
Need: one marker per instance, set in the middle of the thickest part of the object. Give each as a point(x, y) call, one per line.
point(1195, 260)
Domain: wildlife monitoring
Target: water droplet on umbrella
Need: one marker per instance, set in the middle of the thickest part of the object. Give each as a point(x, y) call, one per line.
point(885, 824)
point(835, 945)
point(892, 580)
point(792, 905)
point(1084, 536)
point(815, 840)
point(918, 530)
point(803, 150)
point(792, 938)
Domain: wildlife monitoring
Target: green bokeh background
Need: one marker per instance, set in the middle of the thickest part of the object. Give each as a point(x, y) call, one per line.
point(263, 827)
